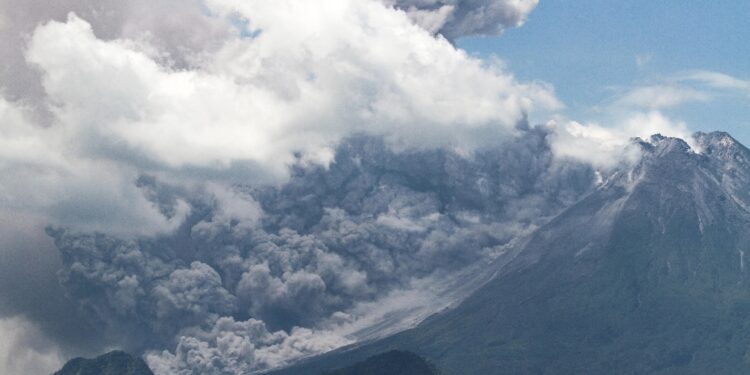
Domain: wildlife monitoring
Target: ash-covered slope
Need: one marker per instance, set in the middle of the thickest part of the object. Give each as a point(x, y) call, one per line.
point(646, 275)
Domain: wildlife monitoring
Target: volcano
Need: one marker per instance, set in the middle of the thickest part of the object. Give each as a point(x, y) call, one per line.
point(647, 274)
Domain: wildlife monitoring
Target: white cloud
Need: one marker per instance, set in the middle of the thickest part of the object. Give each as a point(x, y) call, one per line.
point(262, 99)
point(717, 80)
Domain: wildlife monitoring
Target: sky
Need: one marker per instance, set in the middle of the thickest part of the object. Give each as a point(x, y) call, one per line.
point(131, 128)
point(594, 51)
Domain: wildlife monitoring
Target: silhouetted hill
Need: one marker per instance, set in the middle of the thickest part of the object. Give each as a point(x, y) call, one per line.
point(112, 363)
point(394, 362)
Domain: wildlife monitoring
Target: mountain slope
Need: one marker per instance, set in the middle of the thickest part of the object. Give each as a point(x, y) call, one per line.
point(112, 363)
point(645, 275)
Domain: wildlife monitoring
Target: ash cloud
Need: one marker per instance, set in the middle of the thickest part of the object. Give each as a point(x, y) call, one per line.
point(237, 290)
point(458, 18)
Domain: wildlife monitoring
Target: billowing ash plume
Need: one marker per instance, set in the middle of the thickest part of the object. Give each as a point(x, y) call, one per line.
point(228, 193)
point(257, 277)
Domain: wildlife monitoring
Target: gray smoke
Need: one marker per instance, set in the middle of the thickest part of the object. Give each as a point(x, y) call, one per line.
point(259, 276)
point(458, 18)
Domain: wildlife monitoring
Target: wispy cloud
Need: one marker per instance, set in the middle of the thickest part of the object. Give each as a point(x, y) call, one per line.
point(716, 80)
point(675, 90)
point(641, 60)
point(661, 96)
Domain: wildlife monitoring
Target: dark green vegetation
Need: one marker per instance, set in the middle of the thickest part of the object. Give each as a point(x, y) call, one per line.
point(112, 363)
point(647, 275)
point(395, 362)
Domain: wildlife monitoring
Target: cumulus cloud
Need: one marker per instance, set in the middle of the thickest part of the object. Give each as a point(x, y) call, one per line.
point(354, 77)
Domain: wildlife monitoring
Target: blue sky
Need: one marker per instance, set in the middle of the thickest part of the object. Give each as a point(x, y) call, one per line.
point(594, 51)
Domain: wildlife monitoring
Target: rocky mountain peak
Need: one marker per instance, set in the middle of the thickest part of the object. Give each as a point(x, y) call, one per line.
point(659, 146)
point(721, 146)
